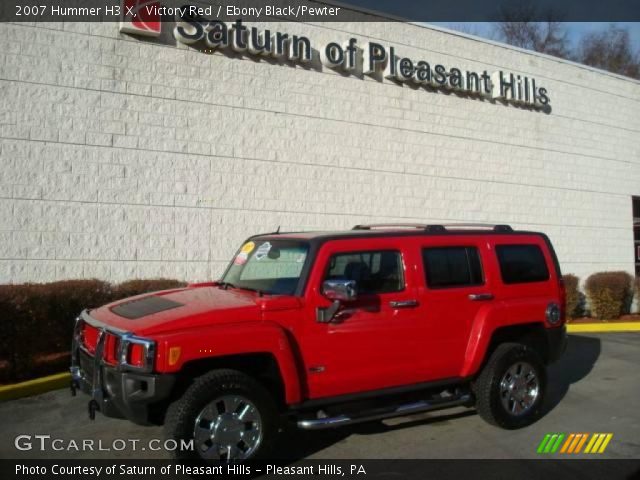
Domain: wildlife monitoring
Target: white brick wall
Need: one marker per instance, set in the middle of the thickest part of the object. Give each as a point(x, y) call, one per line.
point(124, 158)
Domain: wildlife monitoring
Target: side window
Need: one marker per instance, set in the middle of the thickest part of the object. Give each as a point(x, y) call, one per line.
point(522, 263)
point(374, 272)
point(452, 266)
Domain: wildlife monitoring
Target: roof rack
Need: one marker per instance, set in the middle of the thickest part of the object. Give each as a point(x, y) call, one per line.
point(372, 226)
point(474, 226)
point(438, 228)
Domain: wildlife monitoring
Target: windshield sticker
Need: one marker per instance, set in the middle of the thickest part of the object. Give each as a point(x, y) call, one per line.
point(300, 258)
point(243, 255)
point(247, 248)
point(263, 250)
point(241, 258)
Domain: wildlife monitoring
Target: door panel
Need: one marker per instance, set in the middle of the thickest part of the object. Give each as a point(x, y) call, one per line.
point(451, 300)
point(374, 343)
point(529, 283)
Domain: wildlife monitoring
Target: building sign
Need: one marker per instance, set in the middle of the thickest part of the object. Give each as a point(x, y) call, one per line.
point(371, 58)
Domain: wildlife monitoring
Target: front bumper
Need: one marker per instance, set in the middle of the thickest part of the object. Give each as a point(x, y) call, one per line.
point(556, 342)
point(114, 391)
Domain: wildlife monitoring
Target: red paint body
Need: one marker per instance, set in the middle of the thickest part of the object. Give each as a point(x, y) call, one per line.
point(378, 346)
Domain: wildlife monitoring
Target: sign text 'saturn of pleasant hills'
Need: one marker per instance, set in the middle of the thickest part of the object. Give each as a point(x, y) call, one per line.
point(374, 57)
point(369, 58)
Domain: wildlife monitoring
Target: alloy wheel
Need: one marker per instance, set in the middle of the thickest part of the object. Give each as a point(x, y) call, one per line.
point(228, 428)
point(519, 388)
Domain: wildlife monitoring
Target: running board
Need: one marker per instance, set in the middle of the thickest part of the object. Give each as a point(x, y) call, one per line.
point(408, 409)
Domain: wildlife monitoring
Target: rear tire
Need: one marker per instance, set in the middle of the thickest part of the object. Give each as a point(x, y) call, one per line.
point(510, 388)
point(228, 415)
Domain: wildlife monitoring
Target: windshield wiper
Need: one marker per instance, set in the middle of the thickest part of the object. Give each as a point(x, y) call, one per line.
point(226, 285)
point(257, 290)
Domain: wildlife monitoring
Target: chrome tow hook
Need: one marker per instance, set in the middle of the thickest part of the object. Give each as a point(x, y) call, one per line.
point(93, 407)
point(75, 382)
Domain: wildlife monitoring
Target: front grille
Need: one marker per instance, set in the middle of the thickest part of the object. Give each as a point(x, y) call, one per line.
point(96, 344)
point(90, 336)
point(87, 365)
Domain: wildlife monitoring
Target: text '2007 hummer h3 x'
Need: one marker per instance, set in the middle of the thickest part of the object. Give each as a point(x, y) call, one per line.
point(326, 329)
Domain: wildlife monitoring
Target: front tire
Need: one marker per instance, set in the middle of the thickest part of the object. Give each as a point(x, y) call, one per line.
point(228, 415)
point(510, 389)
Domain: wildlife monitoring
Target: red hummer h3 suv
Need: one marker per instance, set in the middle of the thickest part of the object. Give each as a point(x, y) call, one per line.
point(329, 329)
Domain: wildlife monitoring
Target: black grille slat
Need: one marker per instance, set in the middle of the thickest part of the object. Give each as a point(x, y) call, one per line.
point(144, 306)
point(86, 365)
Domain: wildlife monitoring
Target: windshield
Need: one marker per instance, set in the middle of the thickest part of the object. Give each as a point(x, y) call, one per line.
point(269, 266)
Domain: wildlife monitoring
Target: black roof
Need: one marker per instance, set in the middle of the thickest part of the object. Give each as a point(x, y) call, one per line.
point(397, 230)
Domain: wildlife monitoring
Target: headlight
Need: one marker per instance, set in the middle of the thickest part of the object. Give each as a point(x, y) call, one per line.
point(136, 353)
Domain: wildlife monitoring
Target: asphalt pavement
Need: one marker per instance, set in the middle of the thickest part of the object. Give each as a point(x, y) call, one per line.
point(594, 388)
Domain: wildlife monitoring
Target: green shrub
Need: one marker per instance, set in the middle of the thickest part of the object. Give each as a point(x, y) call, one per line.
point(609, 294)
point(571, 283)
point(8, 321)
point(36, 321)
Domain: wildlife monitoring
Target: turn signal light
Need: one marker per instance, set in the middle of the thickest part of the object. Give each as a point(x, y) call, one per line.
point(174, 355)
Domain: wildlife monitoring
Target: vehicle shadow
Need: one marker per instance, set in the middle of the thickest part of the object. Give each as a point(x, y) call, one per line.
point(577, 362)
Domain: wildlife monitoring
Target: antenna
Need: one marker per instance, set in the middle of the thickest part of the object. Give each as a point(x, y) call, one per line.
point(278, 230)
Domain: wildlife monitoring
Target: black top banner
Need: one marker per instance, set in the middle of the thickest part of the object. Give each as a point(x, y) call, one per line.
point(322, 10)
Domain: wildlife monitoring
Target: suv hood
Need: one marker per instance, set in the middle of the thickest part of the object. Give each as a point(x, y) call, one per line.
point(191, 307)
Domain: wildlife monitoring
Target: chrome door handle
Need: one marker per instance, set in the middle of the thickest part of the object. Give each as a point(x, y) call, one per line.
point(476, 297)
point(404, 304)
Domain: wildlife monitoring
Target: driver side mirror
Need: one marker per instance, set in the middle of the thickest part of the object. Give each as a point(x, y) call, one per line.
point(339, 291)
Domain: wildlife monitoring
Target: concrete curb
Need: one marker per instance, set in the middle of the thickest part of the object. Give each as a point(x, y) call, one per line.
point(34, 387)
point(604, 327)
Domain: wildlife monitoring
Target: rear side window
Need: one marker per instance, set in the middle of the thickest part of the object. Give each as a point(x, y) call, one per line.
point(522, 263)
point(452, 266)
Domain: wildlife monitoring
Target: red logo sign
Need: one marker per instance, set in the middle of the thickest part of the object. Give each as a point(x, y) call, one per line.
point(141, 17)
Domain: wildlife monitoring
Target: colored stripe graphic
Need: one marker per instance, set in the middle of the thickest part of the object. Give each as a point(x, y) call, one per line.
point(606, 442)
point(568, 442)
point(582, 440)
point(550, 443)
point(598, 442)
point(543, 443)
point(591, 442)
point(554, 449)
point(573, 443)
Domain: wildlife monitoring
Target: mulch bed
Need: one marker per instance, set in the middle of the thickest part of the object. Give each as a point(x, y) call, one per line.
point(42, 365)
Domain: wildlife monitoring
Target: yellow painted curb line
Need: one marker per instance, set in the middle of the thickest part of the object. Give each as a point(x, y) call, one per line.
point(34, 387)
point(604, 327)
